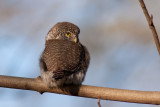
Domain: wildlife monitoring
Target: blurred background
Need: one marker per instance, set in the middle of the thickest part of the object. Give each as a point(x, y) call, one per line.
point(116, 33)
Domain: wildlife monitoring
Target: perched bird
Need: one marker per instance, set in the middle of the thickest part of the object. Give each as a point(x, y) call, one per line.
point(64, 60)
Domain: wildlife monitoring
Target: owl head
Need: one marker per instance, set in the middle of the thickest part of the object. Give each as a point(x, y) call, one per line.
point(64, 31)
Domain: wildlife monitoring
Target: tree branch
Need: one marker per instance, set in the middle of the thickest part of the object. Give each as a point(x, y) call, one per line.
point(151, 25)
point(146, 97)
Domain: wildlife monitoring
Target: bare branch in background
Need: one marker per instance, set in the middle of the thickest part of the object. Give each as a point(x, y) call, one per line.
point(99, 102)
point(146, 97)
point(151, 25)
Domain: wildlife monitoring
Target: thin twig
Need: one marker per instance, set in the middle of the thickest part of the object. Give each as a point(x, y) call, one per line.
point(145, 97)
point(99, 102)
point(151, 25)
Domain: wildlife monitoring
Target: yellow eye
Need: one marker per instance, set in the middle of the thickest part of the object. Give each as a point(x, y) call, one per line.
point(68, 34)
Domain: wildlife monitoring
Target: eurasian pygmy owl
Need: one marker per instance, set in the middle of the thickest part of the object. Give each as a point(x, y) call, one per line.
point(64, 60)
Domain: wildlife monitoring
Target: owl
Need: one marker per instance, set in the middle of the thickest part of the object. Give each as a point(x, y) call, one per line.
point(64, 60)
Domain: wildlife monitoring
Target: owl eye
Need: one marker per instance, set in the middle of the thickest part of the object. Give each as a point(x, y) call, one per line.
point(68, 34)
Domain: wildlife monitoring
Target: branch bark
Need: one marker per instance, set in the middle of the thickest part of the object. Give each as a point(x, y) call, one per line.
point(146, 97)
point(151, 25)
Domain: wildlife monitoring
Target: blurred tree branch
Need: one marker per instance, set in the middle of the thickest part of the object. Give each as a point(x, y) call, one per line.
point(146, 97)
point(151, 25)
point(99, 102)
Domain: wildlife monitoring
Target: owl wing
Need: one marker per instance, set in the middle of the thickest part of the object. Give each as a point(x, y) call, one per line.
point(85, 60)
point(62, 57)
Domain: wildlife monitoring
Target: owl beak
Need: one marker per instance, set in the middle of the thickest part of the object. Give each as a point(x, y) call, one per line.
point(75, 40)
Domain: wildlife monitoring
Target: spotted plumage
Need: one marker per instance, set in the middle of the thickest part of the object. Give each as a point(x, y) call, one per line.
point(64, 60)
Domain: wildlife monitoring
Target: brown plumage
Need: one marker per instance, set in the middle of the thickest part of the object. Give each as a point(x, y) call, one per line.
point(64, 60)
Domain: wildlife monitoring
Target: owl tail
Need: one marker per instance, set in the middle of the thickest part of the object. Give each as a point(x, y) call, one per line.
point(58, 75)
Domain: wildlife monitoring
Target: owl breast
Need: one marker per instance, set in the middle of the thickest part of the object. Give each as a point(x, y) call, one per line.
point(62, 55)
